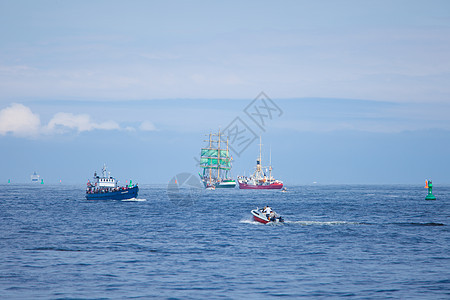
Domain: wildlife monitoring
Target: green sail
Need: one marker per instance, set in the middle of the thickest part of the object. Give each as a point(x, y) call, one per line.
point(215, 160)
point(205, 161)
point(209, 152)
point(214, 153)
point(225, 162)
point(224, 153)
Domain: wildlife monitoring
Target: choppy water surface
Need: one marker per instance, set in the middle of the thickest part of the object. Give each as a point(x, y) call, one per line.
point(338, 241)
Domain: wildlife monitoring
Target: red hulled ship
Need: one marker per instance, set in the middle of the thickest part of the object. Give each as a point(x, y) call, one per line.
point(259, 179)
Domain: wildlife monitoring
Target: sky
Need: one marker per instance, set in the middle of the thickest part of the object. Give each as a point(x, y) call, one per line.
point(361, 89)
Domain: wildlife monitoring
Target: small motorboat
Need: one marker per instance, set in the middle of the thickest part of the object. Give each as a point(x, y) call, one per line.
point(260, 216)
point(210, 187)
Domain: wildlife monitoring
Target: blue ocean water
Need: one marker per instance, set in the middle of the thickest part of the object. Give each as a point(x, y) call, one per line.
point(352, 241)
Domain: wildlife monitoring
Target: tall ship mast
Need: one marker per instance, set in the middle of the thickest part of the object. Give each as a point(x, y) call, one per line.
point(215, 160)
point(260, 179)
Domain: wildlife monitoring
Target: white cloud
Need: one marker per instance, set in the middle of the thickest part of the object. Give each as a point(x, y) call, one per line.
point(19, 120)
point(147, 126)
point(130, 129)
point(80, 123)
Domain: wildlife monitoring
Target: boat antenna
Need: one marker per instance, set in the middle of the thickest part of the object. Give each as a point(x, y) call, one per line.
point(260, 144)
point(258, 170)
point(270, 162)
point(270, 155)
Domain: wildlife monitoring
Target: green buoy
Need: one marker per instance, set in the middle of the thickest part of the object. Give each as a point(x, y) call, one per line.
point(42, 181)
point(429, 186)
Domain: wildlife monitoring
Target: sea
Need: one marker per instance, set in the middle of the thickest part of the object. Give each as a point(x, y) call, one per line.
point(183, 242)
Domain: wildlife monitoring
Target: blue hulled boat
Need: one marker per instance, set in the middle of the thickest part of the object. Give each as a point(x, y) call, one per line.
point(106, 188)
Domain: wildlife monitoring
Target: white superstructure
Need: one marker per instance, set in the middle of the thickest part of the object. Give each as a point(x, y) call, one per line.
point(105, 181)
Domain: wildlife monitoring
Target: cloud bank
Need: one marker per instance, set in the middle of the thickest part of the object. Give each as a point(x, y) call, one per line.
point(79, 123)
point(18, 120)
point(147, 126)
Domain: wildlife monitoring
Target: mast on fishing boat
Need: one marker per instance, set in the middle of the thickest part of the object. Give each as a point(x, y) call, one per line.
point(259, 180)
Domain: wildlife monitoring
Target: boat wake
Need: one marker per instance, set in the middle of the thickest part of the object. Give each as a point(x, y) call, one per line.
point(323, 223)
point(134, 200)
point(305, 223)
point(249, 221)
point(337, 223)
point(253, 222)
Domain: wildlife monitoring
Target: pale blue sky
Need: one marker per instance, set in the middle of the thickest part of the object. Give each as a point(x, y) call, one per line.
point(380, 50)
point(160, 75)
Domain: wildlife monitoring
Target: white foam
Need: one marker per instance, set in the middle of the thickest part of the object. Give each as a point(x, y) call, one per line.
point(327, 223)
point(253, 222)
point(134, 200)
point(247, 221)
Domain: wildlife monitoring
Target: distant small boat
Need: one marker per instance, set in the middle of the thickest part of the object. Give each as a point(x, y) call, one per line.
point(106, 188)
point(35, 177)
point(210, 187)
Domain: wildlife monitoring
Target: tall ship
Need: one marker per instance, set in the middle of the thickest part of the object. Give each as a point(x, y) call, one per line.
point(215, 160)
point(106, 187)
point(260, 180)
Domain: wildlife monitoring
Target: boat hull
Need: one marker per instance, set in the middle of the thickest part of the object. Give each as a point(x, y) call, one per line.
point(272, 186)
point(259, 218)
point(262, 218)
point(226, 185)
point(222, 185)
point(117, 195)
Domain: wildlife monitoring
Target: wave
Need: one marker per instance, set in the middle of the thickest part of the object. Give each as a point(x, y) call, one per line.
point(419, 224)
point(53, 249)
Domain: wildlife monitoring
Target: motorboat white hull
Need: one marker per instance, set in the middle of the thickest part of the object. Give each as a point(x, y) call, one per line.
point(261, 217)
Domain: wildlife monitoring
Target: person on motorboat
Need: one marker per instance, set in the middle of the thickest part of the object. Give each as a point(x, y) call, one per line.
point(271, 216)
point(265, 215)
point(267, 211)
